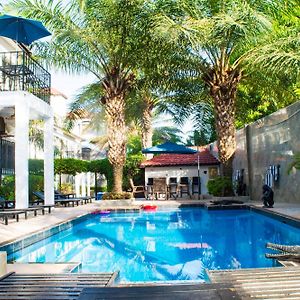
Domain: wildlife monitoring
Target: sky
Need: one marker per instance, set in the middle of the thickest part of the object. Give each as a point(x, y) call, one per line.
point(68, 84)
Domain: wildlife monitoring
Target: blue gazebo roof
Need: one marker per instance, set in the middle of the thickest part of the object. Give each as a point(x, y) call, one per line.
point(169, 147)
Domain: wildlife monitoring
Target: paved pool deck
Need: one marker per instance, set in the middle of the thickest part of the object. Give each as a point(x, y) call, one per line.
point(16, 230)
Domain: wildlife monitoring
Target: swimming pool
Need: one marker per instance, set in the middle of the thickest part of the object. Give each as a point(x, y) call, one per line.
point(165, 245)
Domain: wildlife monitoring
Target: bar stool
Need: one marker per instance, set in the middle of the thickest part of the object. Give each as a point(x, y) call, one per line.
point(184, 186)
point(195, 188)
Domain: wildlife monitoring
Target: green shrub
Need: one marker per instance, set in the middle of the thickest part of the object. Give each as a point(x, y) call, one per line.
point(36, 183)
point(36, 166)
point(70, 166)
point(7, 188)
point(103, 166)
point(66, 188)
point(133, 171)
point(220, 186)
point(117, 196)
point(102, 189)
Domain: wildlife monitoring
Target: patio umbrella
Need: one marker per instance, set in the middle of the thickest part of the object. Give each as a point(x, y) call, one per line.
point(22, 30)
point(169, 147)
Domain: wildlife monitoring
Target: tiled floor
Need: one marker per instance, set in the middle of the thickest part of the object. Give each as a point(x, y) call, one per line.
point(58, 215)
point(33, 224)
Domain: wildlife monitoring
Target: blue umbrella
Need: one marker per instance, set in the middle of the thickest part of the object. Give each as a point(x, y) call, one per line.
point(169, 147)
point(22, 30)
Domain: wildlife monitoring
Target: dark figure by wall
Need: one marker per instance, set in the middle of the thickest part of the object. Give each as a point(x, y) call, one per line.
point(267, 197)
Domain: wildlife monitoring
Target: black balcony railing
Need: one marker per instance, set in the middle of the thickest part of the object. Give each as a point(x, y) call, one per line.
point(20, 72)
point(7, 157)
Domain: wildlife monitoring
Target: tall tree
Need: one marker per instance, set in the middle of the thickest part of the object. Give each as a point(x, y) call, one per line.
point(104, 37)
point(219, 35)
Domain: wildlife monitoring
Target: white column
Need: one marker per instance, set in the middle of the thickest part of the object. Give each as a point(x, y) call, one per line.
point(49, 161)
point(88, 183)
point(21, 153)
point(77, 184)
point(3, 263)
point(83, 184)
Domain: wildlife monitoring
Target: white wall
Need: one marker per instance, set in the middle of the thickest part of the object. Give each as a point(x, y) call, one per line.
point(8, 45)
point(180, 171)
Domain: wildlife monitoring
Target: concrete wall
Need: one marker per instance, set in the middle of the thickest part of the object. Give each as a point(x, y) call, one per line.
point(272, 140)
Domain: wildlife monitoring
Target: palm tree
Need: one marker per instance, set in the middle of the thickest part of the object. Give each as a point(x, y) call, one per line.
point(104, 37)
point(219, 35)
point(280, 53)
point(36, 135)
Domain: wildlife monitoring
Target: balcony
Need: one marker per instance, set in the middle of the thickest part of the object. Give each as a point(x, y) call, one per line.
point(20, 72)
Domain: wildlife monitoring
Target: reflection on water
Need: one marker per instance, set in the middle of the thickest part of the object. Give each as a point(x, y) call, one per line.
point(165, 245)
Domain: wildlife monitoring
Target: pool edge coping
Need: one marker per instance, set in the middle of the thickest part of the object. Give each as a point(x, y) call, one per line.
point(26, 240)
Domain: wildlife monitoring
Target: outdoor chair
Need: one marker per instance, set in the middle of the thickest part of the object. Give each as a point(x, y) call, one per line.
point(160, 188)
point(184, 186)
point(9, 211)
point(173, 188)
point(137, 189)
point(2, 203)
point(149, 188)
point(196, 189)
point(59, 195)
point(14, 214)
point(84, 199)
point(61, 201)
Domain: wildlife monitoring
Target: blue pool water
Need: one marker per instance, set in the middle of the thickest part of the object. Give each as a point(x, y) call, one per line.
point(165, 245)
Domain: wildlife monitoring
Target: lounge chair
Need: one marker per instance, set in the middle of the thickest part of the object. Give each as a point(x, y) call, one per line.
point(2, 203)
point(41, 199)
point(33, 209)
point(15, 214)
point(5, 212)
point(84, 199)
point(61, 201)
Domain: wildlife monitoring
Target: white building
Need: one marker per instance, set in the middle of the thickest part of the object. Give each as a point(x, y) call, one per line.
point(25, 96)
point(177, 166)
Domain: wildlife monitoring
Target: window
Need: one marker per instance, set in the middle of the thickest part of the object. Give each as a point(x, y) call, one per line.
point(212, 172)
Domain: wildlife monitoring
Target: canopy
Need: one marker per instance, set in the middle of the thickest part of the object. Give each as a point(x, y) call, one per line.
point(169, 147)
point(22, 30)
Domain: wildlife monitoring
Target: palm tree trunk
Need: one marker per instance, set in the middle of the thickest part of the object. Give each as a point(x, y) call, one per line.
point(223, 87)
point(116, 130)
point(147, 130)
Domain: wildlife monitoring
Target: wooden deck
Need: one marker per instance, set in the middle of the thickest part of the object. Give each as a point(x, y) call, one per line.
point(162, 292)
point(265, 283)
point(51, 286)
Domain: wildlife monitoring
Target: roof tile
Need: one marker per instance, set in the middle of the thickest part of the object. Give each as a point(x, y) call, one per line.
point(205, 158)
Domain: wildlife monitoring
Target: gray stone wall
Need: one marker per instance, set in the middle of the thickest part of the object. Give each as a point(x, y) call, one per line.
point(270, 141)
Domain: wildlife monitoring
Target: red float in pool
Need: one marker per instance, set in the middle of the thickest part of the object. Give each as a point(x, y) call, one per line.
point(149, 207)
